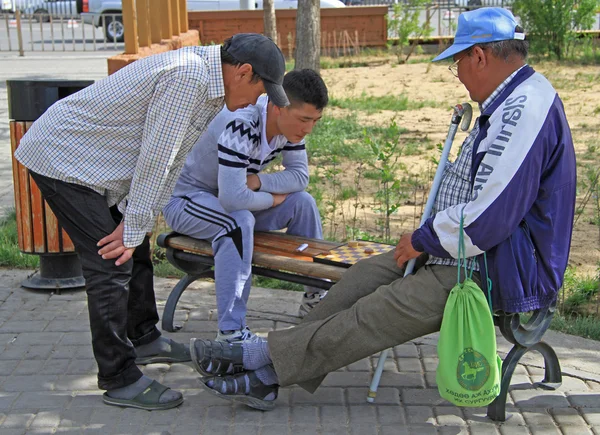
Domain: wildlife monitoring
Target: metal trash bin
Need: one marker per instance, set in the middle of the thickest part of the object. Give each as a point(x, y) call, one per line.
point(38, 230)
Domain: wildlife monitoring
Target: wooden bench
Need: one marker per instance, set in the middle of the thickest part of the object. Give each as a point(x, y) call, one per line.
point(195, 259)
point(271, 259)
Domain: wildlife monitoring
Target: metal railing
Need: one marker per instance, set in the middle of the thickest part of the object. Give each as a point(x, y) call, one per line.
point(40, 32)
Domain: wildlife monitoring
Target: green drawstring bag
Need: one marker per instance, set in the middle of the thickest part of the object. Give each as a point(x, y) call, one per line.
point(469, 369)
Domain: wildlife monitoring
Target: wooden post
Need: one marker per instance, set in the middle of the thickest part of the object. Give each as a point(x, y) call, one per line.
point(155, 16)
point(183, 16)
point(130, 27)
point(19, 33)
point(175, 17)
point(165, 18)
point(143, 23)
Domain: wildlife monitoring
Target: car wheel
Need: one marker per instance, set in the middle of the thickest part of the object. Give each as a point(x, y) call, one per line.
point(41, 15)
point(113, 28)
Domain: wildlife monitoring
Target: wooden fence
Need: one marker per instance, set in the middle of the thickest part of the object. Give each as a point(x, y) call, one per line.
point(340, 27)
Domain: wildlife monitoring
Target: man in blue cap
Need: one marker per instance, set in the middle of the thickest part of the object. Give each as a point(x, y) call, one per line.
point(514, 182)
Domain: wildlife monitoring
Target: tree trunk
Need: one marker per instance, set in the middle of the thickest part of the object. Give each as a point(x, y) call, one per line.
point(269, 19)
point(308, 35)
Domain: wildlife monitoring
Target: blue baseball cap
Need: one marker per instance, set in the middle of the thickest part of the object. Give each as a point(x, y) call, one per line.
point(480, 26)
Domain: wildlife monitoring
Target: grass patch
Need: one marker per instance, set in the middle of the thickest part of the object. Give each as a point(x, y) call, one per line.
point(582, 326)
point(333, 63)
point(372, 104)
point(577, 306)
point(164, 269)
point(10, 255)
point(261, 281)
point(578, 293)
point(344, 137)
point(336, 63)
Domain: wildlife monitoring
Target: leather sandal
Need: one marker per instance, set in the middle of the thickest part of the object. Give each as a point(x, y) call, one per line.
point(147, 399)
point(212, 358)
point(237, 390)
point(178, 353)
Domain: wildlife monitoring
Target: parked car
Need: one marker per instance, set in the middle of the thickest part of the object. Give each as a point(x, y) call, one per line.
point(469, 4)
point(107, 13)
point(57, 9)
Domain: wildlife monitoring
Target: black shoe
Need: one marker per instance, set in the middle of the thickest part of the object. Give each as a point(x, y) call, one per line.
point(212, 358)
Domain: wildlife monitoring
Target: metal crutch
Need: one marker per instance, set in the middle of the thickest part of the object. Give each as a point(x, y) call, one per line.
point(462, 112)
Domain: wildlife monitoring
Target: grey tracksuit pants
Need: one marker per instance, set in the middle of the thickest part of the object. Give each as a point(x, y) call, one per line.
point(201, 216)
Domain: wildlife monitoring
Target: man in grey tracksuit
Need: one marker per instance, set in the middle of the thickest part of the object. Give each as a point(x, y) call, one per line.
point(223, 196)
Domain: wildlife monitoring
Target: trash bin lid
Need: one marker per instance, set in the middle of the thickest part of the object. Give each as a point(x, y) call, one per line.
point(28, 99)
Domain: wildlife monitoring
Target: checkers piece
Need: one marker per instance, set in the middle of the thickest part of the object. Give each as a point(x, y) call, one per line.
point(346, 255)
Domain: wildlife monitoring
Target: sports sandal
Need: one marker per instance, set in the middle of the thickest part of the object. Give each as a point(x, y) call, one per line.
point(212, 358)
point(147, 399)
point(177, 353)
point(237, 390)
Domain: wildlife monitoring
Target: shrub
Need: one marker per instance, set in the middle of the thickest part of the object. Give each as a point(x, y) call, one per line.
point(550, 24)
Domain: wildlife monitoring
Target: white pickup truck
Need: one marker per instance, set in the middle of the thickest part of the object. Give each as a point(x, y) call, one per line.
point(108, 13)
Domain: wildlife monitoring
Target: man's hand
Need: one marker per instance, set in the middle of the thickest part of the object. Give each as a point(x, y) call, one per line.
point(404, 250)
point(253, 182)
point(278, 198)
point(112, 246)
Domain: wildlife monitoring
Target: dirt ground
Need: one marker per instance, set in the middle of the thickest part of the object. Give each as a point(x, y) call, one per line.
point(578, 86)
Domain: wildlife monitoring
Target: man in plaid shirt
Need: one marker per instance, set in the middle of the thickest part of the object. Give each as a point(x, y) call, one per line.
point(106, 160)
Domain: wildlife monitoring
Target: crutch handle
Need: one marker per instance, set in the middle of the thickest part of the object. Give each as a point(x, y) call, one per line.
point(462, 111)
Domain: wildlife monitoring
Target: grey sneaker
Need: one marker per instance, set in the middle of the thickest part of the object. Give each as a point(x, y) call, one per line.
point(238, 336)
point(310, 301)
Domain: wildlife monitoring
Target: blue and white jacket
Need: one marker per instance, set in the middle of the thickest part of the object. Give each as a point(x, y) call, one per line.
point(523, 180)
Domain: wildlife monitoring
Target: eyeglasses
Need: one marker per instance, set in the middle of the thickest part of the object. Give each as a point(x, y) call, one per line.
point(454, 67)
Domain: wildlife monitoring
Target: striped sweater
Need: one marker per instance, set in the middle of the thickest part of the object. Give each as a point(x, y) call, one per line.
point(234, 146)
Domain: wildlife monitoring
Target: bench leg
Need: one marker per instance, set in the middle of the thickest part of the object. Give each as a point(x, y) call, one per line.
point(169, 311)
point(552, 374)
point(497, 409)
point(552, 379)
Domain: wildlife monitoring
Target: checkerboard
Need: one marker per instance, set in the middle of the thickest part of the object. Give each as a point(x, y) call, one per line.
point(346, 255)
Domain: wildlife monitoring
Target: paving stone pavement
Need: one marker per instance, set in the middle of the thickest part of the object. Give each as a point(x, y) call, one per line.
point(48, 380)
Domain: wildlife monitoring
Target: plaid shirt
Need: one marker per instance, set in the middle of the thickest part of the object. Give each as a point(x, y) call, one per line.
point(127, 136)
point(456, 183)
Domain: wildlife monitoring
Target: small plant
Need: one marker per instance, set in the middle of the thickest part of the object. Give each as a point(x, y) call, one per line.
point(404, 22)
point(385, 164)
point(356, 203)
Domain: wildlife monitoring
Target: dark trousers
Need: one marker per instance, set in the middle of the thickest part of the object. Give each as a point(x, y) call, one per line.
point(121, 301)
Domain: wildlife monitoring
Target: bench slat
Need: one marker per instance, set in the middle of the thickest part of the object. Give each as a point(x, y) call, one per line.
point(262, 259)
point(287, 244)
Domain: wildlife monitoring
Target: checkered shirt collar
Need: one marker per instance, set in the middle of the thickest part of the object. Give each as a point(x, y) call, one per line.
point(216, 87)
point(487, 103)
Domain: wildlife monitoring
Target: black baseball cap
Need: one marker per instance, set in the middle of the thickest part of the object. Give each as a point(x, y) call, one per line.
point(267, 61)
